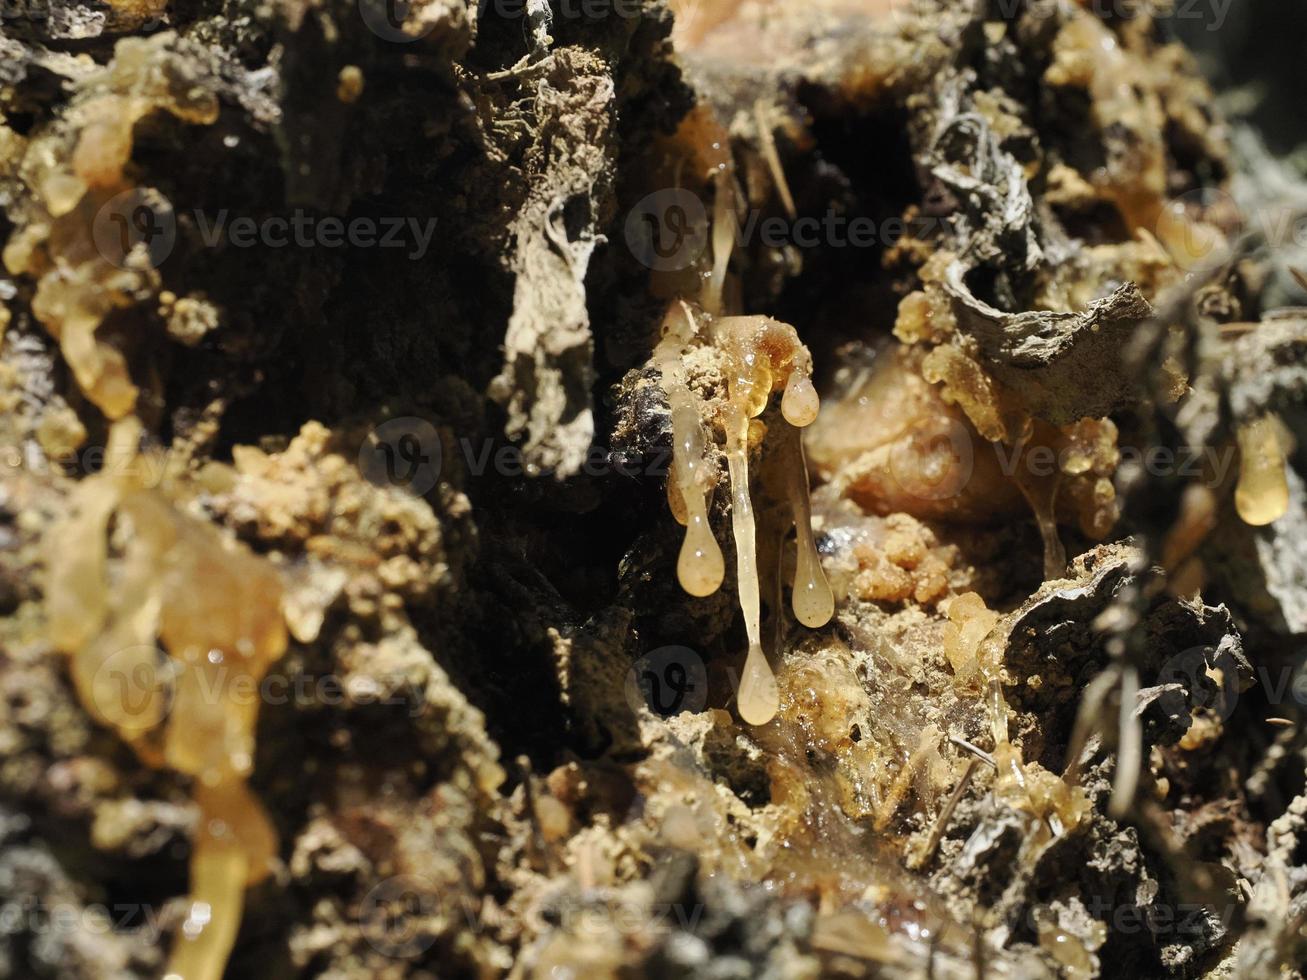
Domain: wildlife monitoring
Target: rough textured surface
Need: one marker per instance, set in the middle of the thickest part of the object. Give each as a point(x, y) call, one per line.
point(1054, 727)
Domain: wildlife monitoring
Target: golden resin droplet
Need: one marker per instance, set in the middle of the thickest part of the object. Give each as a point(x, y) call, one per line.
point(759, 697)
point(234, 843)
point(812, 599)
point(700, 568)
point(800, 403)
point(1262, 496)
point(814, 603)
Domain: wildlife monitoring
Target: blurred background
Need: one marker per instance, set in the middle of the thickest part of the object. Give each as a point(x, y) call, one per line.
point(1255, 53)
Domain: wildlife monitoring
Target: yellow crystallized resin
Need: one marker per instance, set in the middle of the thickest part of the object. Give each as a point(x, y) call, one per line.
point(216, 609)
point(1262, 496)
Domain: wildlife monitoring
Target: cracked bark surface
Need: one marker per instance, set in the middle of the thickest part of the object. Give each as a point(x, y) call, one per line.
point(1054, 727)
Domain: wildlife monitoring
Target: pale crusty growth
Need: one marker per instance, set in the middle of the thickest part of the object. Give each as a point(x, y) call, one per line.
point(72, 171)
point(1262, 496)
point(216, 609)
point(894, 559)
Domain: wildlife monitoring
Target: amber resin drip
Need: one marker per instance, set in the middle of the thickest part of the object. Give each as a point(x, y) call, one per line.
point(1041, 495)
point(749, 383)
point(1262, 496)
point(216, 609)
point(760, 358)
point(700, 567)
point(812, 599)
point(759, 697)
point(763, 355)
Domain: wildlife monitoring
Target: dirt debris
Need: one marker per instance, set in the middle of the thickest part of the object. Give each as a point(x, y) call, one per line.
point(497, 724)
